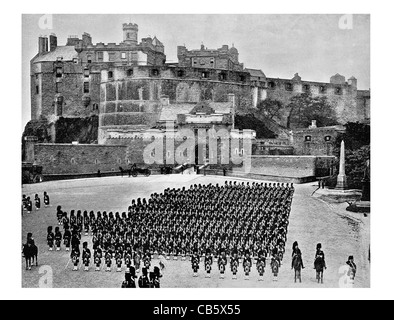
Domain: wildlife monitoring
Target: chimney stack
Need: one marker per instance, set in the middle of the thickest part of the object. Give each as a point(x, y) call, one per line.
point(52, 42)
point(42, 44)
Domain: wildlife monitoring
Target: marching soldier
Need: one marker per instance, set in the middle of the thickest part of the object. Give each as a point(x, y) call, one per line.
point(247, 264)
point(37, 202)
point(67, 238)
point(86, 256)
point(143, 281)
point(261, 264)
point(29, 205)
point(108, 260)
point(50, 238)
point(46, 199)
point(118, 259)
point(58, 238)
point(208, 262)
point(275, 264)
point(59, 215)
point(97, 258)
point(75, 254)
point(234, 263)
point(156, 277)
point(222, 262)
point(129, 278)
point(195, 262)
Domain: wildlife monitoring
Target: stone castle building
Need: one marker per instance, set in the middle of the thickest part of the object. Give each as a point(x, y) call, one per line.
point(137, 95)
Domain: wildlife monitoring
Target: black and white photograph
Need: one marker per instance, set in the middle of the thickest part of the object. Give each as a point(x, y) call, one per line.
point(156, 155)
point(217, 152)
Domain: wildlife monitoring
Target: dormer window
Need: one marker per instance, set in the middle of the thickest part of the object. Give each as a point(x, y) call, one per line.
point(306, 88)
point(222, 76)
point(289, 86)
point(323, 89)
point(205, 75)
point(272, 85)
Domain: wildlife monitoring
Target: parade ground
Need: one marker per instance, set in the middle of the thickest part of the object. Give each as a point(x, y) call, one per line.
point(312, 221)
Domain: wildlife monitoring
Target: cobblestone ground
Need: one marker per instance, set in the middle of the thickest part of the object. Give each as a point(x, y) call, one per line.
point(311, 221)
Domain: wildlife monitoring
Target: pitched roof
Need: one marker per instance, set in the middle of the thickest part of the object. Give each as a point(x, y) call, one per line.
point(255, 72)
point(68, 53)
point(170, 112)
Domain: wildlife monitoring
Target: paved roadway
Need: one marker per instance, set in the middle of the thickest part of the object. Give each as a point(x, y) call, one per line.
point(311, 221)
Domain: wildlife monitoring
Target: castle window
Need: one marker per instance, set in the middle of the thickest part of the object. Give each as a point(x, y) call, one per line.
point(129, 72)
point(36, 76)
point(155, 72)
point(289, 86)
point(222, 76)
point(205, 74)
point(212, 61)
point(123, 55)
point(89, 57)
point(119, 160)
point(86, 87)
point(73, 161)
point(180, 73)
point(111, 56)
point(128, 35)
point(100, 56)
point(323, 89)
point(308, 138)
point(327, 138)
point(95, 106)
point(59, 72)
point(306, 88)
point(110, 74)
point(271, 85)
point(86, 73)
point(338, 90)
point(241, 78)
point(96, 161)
point(58, 87)
point(75, 60)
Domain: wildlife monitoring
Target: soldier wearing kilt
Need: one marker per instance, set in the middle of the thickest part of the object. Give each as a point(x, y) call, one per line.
point(86, 255)
point(234, 263)
point(208, 262)
point(58, 238)
point(50, 238)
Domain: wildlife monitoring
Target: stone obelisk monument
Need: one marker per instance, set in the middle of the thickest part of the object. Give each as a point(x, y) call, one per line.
point(341, 180)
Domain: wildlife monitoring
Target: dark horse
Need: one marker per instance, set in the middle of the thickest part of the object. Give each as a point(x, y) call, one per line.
point(297, 265)
point(319, 266)
point(30, 253)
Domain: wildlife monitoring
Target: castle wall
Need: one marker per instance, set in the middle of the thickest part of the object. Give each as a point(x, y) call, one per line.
point(81, 158)
point(345, 103)
point(317, 141)
point(290, 166)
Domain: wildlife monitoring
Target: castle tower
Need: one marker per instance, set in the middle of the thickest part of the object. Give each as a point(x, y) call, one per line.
point(353, 82)
point(130, 33)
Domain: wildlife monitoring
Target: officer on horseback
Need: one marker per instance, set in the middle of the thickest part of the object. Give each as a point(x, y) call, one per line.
point(296, 252)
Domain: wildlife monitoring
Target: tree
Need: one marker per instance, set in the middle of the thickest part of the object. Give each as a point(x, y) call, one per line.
point(271, 109)
point(304, 108)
